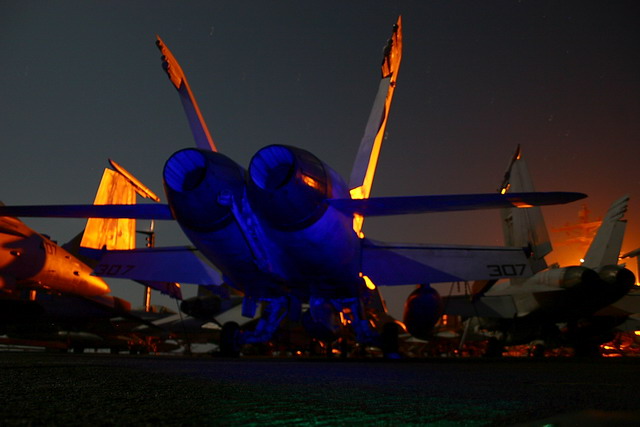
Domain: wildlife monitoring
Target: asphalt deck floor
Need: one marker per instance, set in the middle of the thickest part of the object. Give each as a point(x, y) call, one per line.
point(102, 389)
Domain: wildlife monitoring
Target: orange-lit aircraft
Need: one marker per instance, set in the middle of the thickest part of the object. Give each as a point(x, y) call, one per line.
point(556, 304)
point(41, 282)
point(48, 293)
point(287, 231)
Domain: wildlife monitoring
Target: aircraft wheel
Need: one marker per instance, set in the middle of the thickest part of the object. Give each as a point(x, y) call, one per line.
point(229, 340)
point(389, 343)
point(537, 351)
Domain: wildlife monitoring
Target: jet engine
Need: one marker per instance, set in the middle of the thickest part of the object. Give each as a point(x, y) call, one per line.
point(287, 190)
point(422, 310)
point(200, 186)
point(288, 187)
point(618, 281)
point(565, 277)
point(202, 307)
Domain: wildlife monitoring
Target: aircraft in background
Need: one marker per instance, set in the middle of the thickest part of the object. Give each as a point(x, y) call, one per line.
point(558, 305)
point(48, 293)
point(45, 289)
point(288, 231)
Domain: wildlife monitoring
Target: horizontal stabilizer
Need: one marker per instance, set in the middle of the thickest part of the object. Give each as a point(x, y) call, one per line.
point(380, 206)
point(146, 211)
point(171, 264)
point(406, 264)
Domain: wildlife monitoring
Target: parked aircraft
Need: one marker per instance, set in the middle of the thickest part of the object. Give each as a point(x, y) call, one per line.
point(558, 304)
point(48, 294)
point(288, 230)
point(45, 289)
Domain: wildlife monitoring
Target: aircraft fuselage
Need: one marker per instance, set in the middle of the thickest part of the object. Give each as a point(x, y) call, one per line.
point(29, 260)
point(269, 229)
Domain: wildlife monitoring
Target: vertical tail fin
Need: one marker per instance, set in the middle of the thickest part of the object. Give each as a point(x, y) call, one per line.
point(117, 187)
point(606, 245)
point(524, 227)
point(197, 124)
point(364, 167)
point(111, 233)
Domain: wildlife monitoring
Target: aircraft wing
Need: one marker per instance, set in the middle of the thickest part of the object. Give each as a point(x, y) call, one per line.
point(406, 264)
point(141, 211)
point(171, 264)
point(380, 206)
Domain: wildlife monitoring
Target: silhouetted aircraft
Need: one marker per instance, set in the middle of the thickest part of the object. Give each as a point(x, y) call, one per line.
point(558, 305)
point(288, 230)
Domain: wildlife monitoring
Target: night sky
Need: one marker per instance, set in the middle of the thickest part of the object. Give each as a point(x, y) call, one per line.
point(82, 82)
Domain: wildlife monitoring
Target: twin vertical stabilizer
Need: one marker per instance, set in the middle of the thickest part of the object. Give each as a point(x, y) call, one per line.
point(606, 245)
point(524, 228)
point(364, 167)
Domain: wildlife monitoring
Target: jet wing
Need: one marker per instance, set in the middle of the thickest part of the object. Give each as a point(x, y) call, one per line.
point(380, 206)
point(143, 211)
point(405, 264)
point(171, 264)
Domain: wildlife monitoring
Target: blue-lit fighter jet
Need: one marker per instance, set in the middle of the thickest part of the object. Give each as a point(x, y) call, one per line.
point(288, 231)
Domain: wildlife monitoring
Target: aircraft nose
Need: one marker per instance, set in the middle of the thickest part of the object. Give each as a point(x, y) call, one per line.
point(94, 286)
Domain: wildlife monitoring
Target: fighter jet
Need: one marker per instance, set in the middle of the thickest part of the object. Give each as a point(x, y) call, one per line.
point(557, 305)
point(288, 230)
point(48, 293)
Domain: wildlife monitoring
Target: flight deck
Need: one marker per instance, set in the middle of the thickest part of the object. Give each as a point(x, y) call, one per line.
point(102, 389)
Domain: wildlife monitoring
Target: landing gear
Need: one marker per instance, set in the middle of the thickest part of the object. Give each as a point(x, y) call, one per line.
point(389, 343)
point(537, 350)
point(229, 345)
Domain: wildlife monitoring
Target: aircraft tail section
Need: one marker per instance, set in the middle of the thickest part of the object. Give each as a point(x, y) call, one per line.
point(197, 124)
point(524, 227)
point(111, 233)
point(606, 245)
point(117, 187)
point(364, 167)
